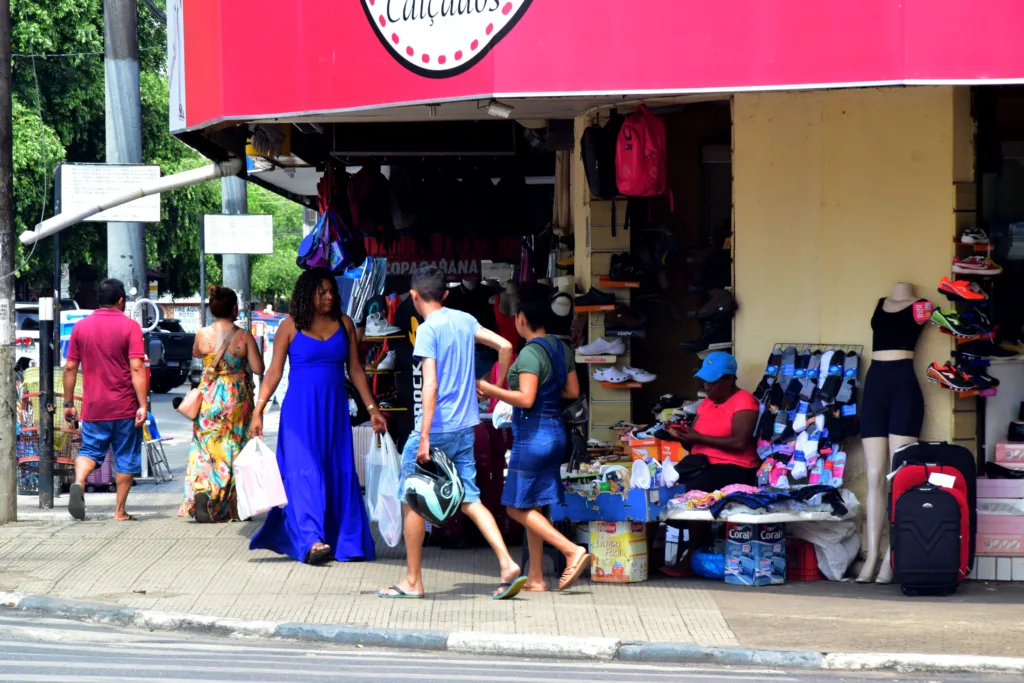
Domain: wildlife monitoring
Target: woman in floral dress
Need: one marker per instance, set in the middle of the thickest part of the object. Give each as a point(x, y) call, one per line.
point(220, 431)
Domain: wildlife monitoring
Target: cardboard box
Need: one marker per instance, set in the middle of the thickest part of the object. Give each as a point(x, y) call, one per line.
point(1000, 506)
point(658, 449)
point(755, 554)
point(620, 552)
point(1007, 453)
point(1000, 488)
point(1001, 524)
point(1002, 545)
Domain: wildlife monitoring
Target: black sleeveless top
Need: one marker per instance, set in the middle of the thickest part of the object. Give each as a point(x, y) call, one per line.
point(894, 331)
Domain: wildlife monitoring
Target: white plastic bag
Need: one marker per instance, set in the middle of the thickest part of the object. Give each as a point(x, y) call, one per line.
point(374, 460)
point(388, 512)
point(502, 415)
point(258, 481)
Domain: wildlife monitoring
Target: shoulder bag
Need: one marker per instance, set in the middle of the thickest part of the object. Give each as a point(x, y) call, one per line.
point(193, 401)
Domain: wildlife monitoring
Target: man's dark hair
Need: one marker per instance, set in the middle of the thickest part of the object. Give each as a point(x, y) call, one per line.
point(306, 287)
point(110, 292)
point(535, 304)
point(429, 283)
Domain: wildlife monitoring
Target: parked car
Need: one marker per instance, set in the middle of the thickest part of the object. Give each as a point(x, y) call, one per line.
point(26, 335)
point(170, 368)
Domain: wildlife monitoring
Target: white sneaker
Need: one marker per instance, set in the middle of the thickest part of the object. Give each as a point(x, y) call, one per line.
point(974, 235)
point(377, 326)
point(638, 375)
point(612, 374)
point(388, 363)
point(604, 347)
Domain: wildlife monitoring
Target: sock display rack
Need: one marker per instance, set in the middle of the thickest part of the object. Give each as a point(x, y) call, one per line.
point(809, 397)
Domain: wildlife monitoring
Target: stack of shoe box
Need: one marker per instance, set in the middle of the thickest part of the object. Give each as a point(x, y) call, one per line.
point(1001, 520)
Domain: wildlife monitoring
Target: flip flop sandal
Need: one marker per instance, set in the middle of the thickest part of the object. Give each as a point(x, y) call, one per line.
point(129, 518)
point(76, 502)
point(399, 594)
point(510, 590)
point(202, 510)
point(573, 573)
point(319, 555)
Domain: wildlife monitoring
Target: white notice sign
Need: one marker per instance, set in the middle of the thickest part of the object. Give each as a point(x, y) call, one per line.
point(85, 185)
point(239, 234)
point(6, 328)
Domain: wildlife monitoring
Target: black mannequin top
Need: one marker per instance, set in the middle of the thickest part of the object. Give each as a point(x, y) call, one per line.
point(896, 331)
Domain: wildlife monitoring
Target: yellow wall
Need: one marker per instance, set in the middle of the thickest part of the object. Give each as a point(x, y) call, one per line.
point(838, 194)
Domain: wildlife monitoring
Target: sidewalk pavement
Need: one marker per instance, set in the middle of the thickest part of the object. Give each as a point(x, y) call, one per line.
point(167, 564)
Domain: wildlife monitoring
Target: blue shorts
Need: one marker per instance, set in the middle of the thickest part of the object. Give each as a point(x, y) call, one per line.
point(459, 448)
point(120, 436)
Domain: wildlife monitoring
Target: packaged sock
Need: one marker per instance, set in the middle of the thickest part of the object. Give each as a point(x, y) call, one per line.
point(814, 478)
point(788, 364)
point(838, 468)
point(800, 419)
point(798, 465)
point(771, 373)
point(780, 424)
point(764, 472)
point(834, 379)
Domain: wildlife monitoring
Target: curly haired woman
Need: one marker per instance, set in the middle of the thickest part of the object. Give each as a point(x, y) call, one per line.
point(325, 516)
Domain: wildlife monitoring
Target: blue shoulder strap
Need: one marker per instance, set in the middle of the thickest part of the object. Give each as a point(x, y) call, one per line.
point(561, 375)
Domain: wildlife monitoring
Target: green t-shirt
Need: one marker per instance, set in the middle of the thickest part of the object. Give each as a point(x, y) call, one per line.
point(534, 359)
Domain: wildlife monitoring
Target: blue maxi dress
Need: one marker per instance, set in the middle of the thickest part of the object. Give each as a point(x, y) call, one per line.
point(314, 453)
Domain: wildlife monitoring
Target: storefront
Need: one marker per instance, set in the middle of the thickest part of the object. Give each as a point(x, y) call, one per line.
point(831, 151)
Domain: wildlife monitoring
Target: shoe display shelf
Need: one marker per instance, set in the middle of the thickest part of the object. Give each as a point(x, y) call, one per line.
point(621, 385)
point(390, 336)
point(383, 372)
point(591, 359)
point(606, 281)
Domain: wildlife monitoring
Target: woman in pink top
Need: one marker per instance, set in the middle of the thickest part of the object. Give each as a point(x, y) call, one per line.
point(721, 441)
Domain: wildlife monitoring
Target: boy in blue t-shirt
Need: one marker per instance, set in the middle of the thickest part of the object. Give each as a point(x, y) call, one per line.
point(445, 343)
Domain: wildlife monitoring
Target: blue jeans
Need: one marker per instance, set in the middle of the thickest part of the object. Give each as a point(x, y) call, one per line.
point(120, 436)
point(458, 446)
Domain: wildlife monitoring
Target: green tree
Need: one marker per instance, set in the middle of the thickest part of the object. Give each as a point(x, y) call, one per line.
point(274, 275)
point(68, 85)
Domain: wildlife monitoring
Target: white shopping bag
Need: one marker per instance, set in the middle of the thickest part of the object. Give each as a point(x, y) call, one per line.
point(502, 415)
point(258, 480)
point(374, 461)
point(388, 512)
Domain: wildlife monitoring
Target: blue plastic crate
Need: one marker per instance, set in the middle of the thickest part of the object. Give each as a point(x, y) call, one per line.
point(637, 505)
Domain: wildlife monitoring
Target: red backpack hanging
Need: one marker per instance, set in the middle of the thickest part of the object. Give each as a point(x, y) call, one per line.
point(640, 157)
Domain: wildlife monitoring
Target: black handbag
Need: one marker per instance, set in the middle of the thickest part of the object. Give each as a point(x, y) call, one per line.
point(691, 466)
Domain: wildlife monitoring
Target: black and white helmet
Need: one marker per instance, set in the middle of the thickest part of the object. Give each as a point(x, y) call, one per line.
point(435, 491)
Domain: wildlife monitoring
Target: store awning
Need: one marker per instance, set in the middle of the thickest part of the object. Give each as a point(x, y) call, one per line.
point(248, 60)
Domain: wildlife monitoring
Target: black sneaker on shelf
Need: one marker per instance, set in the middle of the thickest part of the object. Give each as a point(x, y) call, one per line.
point(1015, 432)
point(985, 349)
point(721, 304)
point(389, 401)
point(712, 333)
point(595, 297)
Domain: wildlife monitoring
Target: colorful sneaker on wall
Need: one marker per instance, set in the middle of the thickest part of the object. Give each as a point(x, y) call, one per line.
point(949, 377)
point(961, 290)
point(951, 321)
point(976, 265)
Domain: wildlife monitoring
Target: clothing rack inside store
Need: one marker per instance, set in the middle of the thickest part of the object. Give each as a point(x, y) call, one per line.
point(800, 346)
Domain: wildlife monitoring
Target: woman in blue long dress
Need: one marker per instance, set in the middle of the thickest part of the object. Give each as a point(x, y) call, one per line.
point(325, 517)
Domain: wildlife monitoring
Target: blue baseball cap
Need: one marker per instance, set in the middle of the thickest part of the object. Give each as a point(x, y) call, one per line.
point(717, 365)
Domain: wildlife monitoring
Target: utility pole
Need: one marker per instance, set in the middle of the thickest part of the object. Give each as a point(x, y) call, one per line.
point(8, 394)
point(234, 199)
point(126, 242)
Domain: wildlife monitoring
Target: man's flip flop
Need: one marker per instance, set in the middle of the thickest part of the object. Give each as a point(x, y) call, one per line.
point(510, 590)
point(399, 594)
point(76, 502)
point(573, 573)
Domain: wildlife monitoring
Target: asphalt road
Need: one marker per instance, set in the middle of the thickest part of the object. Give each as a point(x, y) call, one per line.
point(52, 650)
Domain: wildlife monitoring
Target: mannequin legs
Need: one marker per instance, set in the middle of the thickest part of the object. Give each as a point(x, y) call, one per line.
point(878, 453)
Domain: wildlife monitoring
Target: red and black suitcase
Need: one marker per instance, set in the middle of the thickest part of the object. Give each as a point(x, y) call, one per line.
point(930, 530)
point(944, 453)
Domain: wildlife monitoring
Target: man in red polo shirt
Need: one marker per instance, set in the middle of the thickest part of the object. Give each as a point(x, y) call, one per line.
point(108, 346)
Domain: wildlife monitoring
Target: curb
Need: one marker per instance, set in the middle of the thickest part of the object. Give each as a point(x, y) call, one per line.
point(510, 645)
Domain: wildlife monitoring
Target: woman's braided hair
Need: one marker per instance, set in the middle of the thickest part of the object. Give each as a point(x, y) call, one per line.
point(309, 283)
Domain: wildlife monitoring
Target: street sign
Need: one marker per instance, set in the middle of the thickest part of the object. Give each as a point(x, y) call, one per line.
point(239, 234)
point(85, 185)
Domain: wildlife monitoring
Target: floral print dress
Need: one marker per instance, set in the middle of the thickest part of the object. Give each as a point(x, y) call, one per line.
point(218, 436)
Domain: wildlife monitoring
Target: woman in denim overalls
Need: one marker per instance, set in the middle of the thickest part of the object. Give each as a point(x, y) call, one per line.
point(538, 381)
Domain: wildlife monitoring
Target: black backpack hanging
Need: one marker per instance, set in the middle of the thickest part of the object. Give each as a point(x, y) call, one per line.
point(598, 150)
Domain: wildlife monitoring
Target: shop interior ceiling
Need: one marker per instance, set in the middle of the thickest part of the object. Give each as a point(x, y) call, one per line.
point(460, 133)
